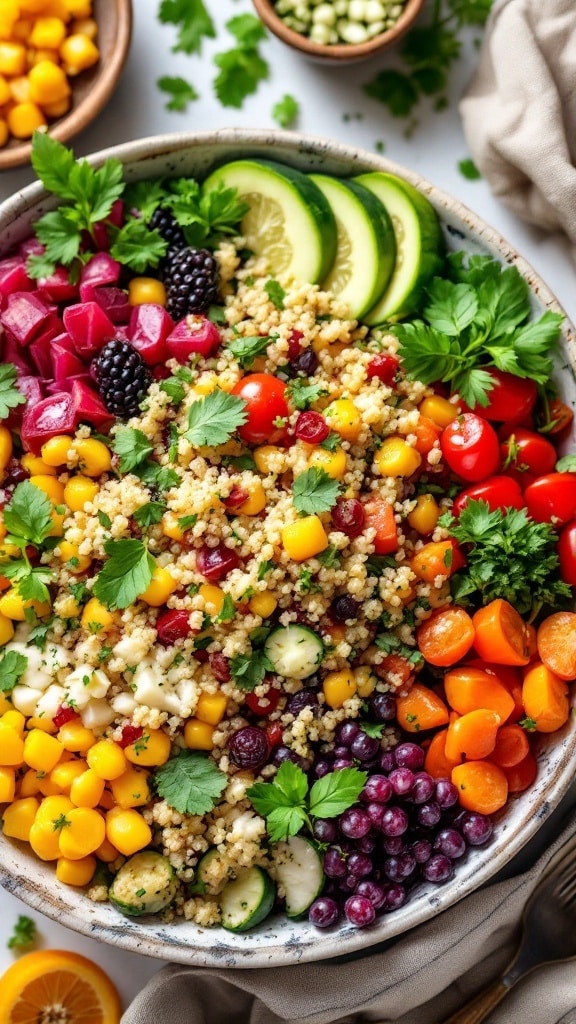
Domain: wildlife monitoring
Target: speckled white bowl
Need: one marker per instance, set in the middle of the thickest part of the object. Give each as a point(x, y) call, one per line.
point(279, 941)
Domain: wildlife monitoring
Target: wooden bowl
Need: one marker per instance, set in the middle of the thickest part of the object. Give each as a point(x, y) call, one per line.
point(338, 53)
point(91, 89)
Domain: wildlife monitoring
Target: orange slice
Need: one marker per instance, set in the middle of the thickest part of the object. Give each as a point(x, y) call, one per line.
point(57, 985)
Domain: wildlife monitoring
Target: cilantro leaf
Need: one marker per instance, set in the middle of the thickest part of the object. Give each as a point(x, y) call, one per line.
point(136, 246)
point(24, 933)
point(174, 388)
point(241, 68)
point(286, 111)
point(31, 582)
point(10, 396)
point(333, 793)
point(228, 610)
point(245, 350)
point(13, 665)
point(275, 293)
point(395, 89)
point(150, 513)
point(468, 169)
point(314, 491)
point(248, 670)
point(205, 214)
point(212, 420)
point(132, 447)
point(302, 393)
point(125, 575)
point(190, 783)
point(181, 92)
point(193, 22)
point(28, 515)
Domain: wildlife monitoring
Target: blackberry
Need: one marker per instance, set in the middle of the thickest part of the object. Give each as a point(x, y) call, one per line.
point(192, 282)
point(122, 377)
point(166, 224)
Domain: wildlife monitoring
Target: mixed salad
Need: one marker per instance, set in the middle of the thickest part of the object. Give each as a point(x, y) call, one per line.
point(287, 544)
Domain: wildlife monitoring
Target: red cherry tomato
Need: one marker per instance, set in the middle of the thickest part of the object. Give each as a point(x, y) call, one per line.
point(552, 498)
point(379, 514)
point(527, 454)
point(560, 419)
point(266, 407)
point(500, 492)
point(512, 399)
point(567, 553)
point(266, 704)
point(470, 447)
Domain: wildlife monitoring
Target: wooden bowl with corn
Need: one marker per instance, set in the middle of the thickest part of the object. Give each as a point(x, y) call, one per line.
point(60, 61)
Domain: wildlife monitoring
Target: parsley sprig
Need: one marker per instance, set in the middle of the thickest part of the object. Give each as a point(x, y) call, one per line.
point(126, 573)
point(190, 783)
point(10, 396)
point(289, 804)
point(475, 319)
point(13, 665)
point(212, 420)
point(314, 491)
point(28, 520)
point(24, 933)
point(241, 68)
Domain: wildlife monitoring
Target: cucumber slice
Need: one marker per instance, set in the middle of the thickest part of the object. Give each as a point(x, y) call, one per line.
point(210, 875)
point(366, 246)
point(419, 246)
point(300, 873)
point(145, 884)
point(247, 900)
point(294, 652)
point(289, 221)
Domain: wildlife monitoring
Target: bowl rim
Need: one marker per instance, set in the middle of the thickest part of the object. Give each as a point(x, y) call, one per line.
point(283, 942)
point(339, 51)
point(104, 85)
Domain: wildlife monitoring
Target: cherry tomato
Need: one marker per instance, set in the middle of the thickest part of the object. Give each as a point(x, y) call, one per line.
point(500, 492)
point(512, 399)
point(527, 454)
point(470, 447)
point(264, 705)
point(552, 498)
point(560, 418)
point(266, 407)
point(379, 514)
point(567, 553)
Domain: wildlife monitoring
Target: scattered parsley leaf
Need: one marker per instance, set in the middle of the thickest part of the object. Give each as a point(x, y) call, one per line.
point(181, 91)
point(246, 350)
point(395, 90)
point(27, 516)
point(212, 420)
point(469, 170)
point(286, 111)
point(12, 666)
point(190, 783)
point(132, 448)
point(228, 610)
point(314, 491)
point(150, 513)
point(264, 568)
point(31, 582)
point(10, 396)
point(125, 575)
point(24, 933)
point(174, 388)
point(275, 293)
point(248, 670)
point(331, 442)
point(136, 246)
point(302, 393)
point(330, 558)
point(241, 68)
point(104, 519)
point(335, 792)
point(241, 462)
point(192, 20)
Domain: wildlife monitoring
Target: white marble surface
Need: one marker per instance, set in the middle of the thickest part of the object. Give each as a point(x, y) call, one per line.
point(333, 105)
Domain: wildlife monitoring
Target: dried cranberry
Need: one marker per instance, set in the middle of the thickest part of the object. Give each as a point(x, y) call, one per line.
point(216, 563)
point(348, 516)
point(304, 698)
point(306, 363)
point(274, 733)
point(385, 367)
point(311, 427)
point(173, 625)
point(236, 497)
point(344, 607)
point(248, 748)
point(14, 473)
point(220, 666)
point(294, 344)
point(64, 714)
point(266, 704)
point(130, 733)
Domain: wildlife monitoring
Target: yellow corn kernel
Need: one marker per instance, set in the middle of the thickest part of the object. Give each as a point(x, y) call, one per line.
point(106, 852)
point(43, 723)
point(171, 527)
point(13, 606)
point(34, 56)
point(304, 538)
point(48, 31)
point(29, 784)
point(344, 417)
point(87, 789)
point(36, 466)
point(33, 6)
point(42, 751)
point(14, 720)
point(78, 491)
point(54, 452)
point(56, 9)
point(85, 26)
point(22, 29)
point(107, 759)
point(127, 830)
point(160, 587)
point(255, 502)
point(132, 788)
point(365, 681)
point(43, 838)
point(5, 704)
point(24, 119)
point(6, 629)
point(213, 598)
point(425, 514)
point(12, 58)
point(58, 108)
point(45, 786)
point(79, 8)
point(94, 457)
point(75, 737)
point(11, 747)
point(266, 458)
point(95, 616)
point(146, 289)
point(72, 558)
point(5, 96)
point(151, 750)
point(198, 735)
point(76, 872)
point(18, 818)
point(339, 687)
point(64, 774)
point(19, 89)
point(7, 784)
point(333, 463)
point(211, 707)
point(82, 833)
point(10, 11)
point(53, 807)
point(263, 604)
point(5, 447)
point(78, 52)
point(439, 410)
point(50, 486)
point(396, 457)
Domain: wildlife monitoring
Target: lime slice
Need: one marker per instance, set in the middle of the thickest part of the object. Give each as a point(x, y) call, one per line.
point(419, 245)
point(289, 221)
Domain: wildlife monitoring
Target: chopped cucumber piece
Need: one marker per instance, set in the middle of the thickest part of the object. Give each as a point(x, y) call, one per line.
point(299, 872)
point(289, 221)
point(366, 246)
point(211, 874)
point(419, 246)
point(145, 884)
point(247, 900)
point(295, 652)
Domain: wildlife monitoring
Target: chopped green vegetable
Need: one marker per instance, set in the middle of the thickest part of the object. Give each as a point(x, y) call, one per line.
point(192, 20)
point(241, 68)
point(286, 111)
point(125, 575)
point(24, 934)
point(314, 491)
point(181, 92)
point(10, 396)
point(190, 783)
point(212, 420)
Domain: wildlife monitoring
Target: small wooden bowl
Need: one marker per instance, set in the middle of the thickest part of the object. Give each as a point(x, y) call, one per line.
point(339, 53)
point(91, 89)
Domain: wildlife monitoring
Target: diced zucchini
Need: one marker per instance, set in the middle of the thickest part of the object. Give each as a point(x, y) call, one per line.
point(299, 872)
point(145, 884)
point(294, 651)
point(247, 900)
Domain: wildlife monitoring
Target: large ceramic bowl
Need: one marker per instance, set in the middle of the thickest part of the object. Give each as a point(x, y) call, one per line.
point(280, 941)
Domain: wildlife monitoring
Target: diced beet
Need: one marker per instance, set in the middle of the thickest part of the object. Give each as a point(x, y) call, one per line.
point(13, 276)
point(31, 246)
point(114, 301)
point(66, 364)
point(101, 269)
point(12, 352)
point(24, 316)
point(57, 287)
point(148, 329)
point(40, 348)
point(54, 387)
point(195, 333)
point(89, 407)
point(89, 327)
point(31, 388)
point(116, 215)
point(53, 415)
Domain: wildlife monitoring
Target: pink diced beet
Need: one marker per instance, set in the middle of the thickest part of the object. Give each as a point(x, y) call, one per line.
point(31, 388)
point(52, 415)
point(114, 301)
point(65, 363)
point(89, 407)
point(195, 333)
point(24, 316)
point(101, 269)
point(13, 276)
point(149, 327)
point(55, 386)
point(31, 246)
point(12, 352)
point(57, 287)
point(89, 327)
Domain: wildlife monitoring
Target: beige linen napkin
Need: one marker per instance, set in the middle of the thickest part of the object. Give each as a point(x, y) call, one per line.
point(419, 979)
point(519, 110)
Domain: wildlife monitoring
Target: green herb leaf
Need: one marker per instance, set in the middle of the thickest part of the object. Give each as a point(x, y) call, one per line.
point(275, 293)
point(302, 394)
point(212, 420)
point(314, 491)
point(335, 792)
point(12, 666)
point(28, 515)
point(192, 20)
point(125, 575)
point(468, 169)
point(228, 610)
point(174, 388)
point(150, 513)
point(24, 934)
point(248, 670)
point(136, 246)
point(132, 448)
point(241, 68)
point(246, 350)
point(10, 396)
point(286, 111)
point(181, 92)
point(190, 783)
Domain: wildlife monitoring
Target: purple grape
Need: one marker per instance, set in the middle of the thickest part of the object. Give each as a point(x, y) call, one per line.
point(306, 363)
point(423, 789)
point(366, 844)
point(359, 911)
point(428, 814)
point(394, 896)
point(438, 868)
point(372, 891)
point(377, 790)
point(401, 780)
point(364, 747)
point(446, 793)
point(323, 912)
point(248, 747)
point(346, 732)
point(387, 760)
point(476, 828)
point(334, 863)
point(409, 755)
point(325, 830)
point(375, 812)
point(348, 884)
point(393, 845)
point(355, 822)
point(359, 864)
point(421, 850)
point(342, 762)
point(397, 869)
point(395, 821)
point(322, 768)
point(450, 842)
point(344, 607)
point(305, 698)
point(383, 707)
